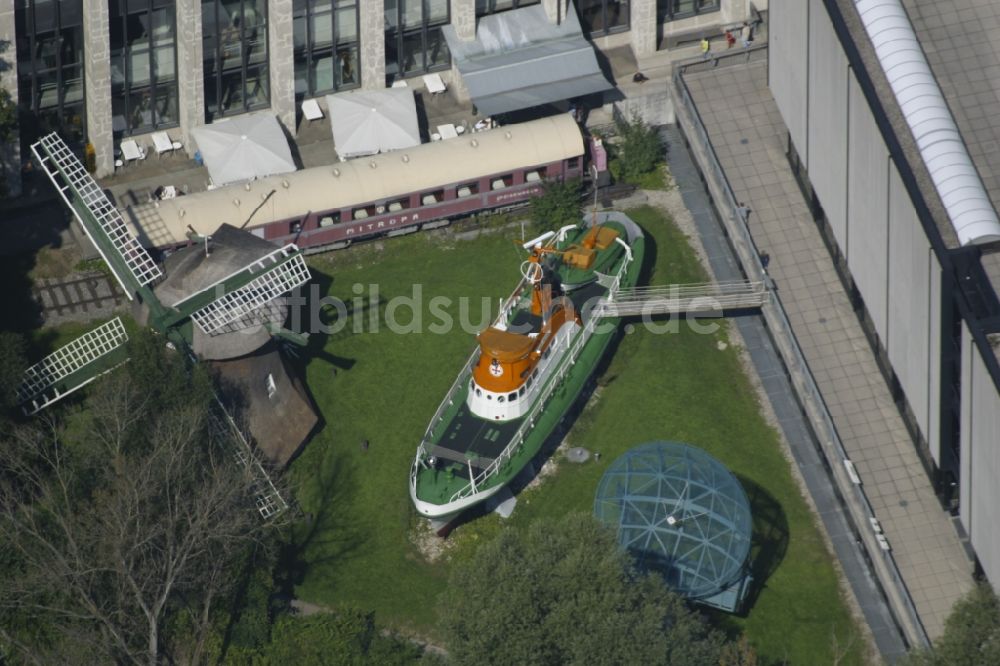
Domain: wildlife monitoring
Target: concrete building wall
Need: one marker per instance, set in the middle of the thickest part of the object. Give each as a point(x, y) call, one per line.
point(463, 19)
point(935, 351)
point(281, 66)
point(965, 432)
point(10, 153)
point(827, 124)
point(980, 453)
point(867, 208)
point(372, 36)
point(644, 29)
point(191, 71)
point(642, 36)
point(788, 62)
point(97, 84)
point(908, 337)
point(731, 14)
point(865, 203)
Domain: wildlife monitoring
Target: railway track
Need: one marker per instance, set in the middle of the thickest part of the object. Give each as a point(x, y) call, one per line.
point(78, 297)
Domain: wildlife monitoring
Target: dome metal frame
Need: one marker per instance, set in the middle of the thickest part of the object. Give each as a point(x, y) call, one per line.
point(680, 512)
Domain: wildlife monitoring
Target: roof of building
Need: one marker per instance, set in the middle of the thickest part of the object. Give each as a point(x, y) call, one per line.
point(933, 128)
point(959, 43)
point(368, 179)
point(190, 270)
point(265, 393)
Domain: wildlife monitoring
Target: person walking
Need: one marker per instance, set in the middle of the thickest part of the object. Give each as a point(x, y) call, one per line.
point(706, 48)
point(744, 211)
point(746, 34)
point(730, 38)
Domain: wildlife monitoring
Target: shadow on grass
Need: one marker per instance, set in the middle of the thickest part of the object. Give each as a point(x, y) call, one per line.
point(21, 313)
point(324, 535)
point(768, 545)
point(769, 542)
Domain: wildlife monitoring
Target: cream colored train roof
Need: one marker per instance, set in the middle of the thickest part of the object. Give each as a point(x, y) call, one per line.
point(362, 180)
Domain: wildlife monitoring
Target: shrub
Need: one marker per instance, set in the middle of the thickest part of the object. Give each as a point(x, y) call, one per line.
point(558, 205)
point(639, 148)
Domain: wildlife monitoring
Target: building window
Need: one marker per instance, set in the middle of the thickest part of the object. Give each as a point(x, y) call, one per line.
point(326, 46)
point(143, 65)
point(413, 40)
point(485, 7)
point(603, 17)
point(235, 52)
point(50, 69)
point(671, 10)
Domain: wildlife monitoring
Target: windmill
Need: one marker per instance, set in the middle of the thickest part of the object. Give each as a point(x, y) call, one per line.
point(221, 304)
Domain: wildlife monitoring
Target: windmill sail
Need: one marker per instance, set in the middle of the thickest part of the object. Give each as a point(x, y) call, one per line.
point(73, 366)
point(230, 303)
point(131, 264)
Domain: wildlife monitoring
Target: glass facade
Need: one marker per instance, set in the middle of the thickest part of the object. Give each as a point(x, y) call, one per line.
point(603, 17)
point(326, 46)
point(234, 34)
point(671, 10)
point(50, 68)
point(484, 7)
point(143, 65)
point(414, 43)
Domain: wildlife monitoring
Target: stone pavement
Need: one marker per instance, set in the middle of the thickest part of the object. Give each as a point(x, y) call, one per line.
point(748, 134)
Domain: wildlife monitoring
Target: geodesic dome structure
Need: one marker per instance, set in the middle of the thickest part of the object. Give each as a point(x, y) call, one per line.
point(680, 512)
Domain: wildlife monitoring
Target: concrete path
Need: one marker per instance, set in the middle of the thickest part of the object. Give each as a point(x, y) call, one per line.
point(747, 133)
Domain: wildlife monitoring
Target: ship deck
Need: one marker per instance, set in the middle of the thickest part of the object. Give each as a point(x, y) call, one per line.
point(471, 439)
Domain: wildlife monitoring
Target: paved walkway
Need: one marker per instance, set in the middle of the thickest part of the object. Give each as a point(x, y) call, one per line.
point(748, 135)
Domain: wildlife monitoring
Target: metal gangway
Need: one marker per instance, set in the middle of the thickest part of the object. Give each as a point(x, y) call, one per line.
point(704, 298)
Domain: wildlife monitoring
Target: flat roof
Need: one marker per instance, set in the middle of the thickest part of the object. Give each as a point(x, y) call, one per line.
point(357, 181)
point(958, 40)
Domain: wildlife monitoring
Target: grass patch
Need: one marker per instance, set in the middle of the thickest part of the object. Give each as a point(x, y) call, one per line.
point(657, 179)
point(681, 386)
point(357, 551)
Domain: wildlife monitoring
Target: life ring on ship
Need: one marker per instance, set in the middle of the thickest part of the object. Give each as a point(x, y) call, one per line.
point(532, 275)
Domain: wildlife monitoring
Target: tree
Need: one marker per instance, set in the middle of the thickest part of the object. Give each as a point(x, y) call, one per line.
point(971, 634)
point(8, 120)
point(345, 639)
point(561, 592)
point(639, 148)
point(119, 517)
point(12, 367)
point(557, 205)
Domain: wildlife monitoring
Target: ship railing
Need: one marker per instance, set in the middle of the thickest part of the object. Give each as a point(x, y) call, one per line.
point(506, 307)
point(456, 388)
point(551, 384)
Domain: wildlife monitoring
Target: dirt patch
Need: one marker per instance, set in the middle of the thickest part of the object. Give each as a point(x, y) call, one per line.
point(430, 546)
point(55, 262)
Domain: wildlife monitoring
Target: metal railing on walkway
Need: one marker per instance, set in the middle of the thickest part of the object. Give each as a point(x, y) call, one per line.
point(708, 297)
point(859, 508)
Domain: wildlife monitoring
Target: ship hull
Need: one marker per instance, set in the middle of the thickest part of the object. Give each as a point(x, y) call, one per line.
point(579, 359)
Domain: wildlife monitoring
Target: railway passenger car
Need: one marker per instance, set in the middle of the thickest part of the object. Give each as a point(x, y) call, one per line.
point(387, 194)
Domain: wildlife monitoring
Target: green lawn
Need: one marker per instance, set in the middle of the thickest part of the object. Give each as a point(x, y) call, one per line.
point(676, 386)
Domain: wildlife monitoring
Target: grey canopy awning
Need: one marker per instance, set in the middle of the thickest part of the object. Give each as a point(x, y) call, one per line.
point(244, 148)
point(365, 122)
point(520, 59)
